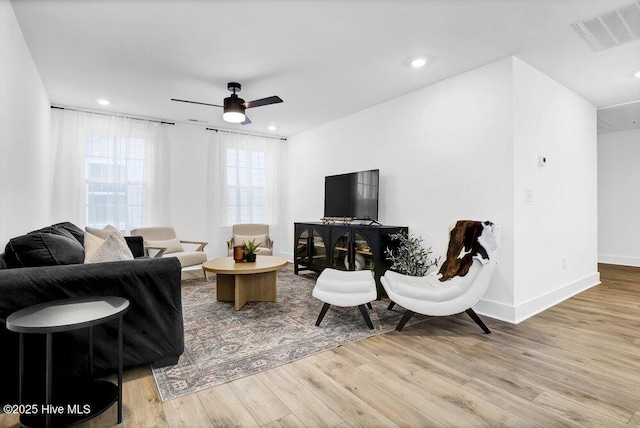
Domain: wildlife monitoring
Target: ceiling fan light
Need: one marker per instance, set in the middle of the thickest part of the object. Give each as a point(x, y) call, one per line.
point(233, 109)
point(233, 116)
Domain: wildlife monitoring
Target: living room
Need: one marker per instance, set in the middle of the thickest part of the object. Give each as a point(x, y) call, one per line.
point(463, 146)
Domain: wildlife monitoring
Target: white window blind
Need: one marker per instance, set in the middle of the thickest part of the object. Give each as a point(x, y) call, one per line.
point(246, 186)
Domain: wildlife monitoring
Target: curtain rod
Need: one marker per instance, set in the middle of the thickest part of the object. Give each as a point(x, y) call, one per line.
point(246, 133)
point(162, 122)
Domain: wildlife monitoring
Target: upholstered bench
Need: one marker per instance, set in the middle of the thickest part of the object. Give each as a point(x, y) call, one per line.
point(345, 288)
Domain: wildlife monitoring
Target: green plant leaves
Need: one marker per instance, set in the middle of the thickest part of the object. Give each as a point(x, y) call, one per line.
point(410, 257)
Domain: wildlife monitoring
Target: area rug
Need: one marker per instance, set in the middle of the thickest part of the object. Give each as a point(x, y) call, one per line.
point(222, 344)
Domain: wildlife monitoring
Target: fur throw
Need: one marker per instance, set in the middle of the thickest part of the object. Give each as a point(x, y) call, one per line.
point(463, 248)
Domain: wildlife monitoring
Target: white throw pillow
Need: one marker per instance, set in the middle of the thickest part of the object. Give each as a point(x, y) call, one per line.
point(98, 250)
point(171, 245)
point(241, 239)
point(109, 231)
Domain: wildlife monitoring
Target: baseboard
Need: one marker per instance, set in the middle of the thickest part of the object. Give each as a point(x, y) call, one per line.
point(495, 310)
point(519, 313)
point(619, 260)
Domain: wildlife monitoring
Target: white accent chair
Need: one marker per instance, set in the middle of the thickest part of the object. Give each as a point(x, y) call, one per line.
point(345, 288)
point(428, 296)
point(248, 231)
point(162, 242)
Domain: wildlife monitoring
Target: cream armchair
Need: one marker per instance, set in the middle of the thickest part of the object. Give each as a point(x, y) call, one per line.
point(163, 242)
point(247, 232)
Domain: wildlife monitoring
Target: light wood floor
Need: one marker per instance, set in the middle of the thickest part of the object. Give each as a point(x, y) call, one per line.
point(576, 364)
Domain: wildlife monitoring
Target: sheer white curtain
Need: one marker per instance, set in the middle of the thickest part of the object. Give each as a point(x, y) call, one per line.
point(244, 185)
point(109, 170)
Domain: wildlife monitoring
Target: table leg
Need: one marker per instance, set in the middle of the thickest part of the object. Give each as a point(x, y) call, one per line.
point(21, 370)
point(240, 290)
point(259, 287)
point(49, 379)
point(225, 286)
point(91, 351)
point(120, 364)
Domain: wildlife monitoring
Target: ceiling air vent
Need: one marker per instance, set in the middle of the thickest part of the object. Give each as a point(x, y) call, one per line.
point(612, 29)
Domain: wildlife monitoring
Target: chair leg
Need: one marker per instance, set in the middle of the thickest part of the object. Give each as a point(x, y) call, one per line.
point(369, 305)
point(478, 321)
point(391, 305)
point(365, 314)
point(405, 318)
point(323, 311)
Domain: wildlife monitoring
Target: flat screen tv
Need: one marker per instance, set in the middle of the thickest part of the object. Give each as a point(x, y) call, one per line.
point(353, 195)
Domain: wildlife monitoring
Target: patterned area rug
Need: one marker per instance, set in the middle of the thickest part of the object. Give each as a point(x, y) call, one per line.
point(222, 344)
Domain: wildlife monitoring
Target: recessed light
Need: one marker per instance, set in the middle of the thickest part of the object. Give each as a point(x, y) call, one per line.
point(103, 102)
point(272, 128)
point(418, 62)
point(637, 74)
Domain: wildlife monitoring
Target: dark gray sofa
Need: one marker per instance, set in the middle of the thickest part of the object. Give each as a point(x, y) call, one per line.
point(153, 326)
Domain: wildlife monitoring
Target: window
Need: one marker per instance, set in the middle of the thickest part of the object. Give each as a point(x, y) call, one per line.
point(115, 184)
point(246, 186)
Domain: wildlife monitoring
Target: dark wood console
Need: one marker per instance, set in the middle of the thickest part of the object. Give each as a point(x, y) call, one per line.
point(343, 246)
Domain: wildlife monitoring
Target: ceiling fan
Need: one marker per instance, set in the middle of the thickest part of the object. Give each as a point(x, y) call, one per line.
point(235, 106)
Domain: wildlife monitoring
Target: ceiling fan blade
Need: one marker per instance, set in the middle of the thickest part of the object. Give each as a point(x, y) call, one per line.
point(246, 120)
point(263, 102)
point(196, 102)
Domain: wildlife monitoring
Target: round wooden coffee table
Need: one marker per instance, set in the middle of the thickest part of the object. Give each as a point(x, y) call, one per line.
point(245, 282)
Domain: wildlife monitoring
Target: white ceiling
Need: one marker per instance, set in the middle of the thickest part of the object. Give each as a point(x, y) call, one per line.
point(325, 59)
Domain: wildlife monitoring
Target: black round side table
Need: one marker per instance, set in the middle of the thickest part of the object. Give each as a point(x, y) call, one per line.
point(67, 315)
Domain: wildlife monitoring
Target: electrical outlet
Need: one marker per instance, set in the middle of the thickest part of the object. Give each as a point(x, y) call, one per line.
point(564, 263)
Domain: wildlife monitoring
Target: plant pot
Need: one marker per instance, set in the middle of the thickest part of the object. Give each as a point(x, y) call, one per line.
point(250, 258)
point(238, 253)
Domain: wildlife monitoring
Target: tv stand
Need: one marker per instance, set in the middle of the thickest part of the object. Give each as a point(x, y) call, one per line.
point(319, 245)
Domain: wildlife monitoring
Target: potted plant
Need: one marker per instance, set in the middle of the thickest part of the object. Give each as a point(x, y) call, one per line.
point(409, 257)
point(250, 249)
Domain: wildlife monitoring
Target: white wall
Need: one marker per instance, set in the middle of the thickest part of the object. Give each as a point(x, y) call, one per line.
point(465, 148)
point(556, 234)
point(444, 153)
point(25, 171)
point(619, 197)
